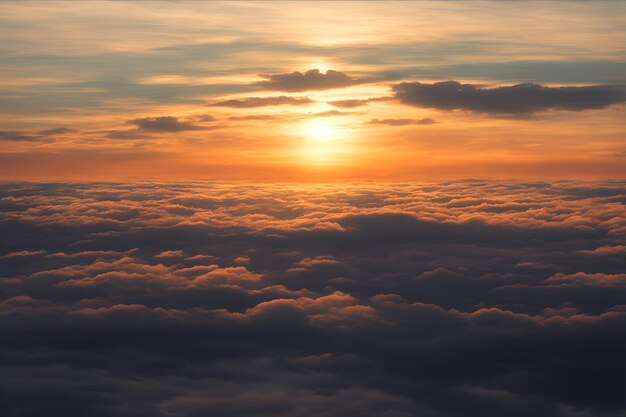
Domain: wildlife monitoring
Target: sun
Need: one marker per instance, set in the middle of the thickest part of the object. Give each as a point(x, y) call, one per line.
point(323, 133)
point(324, 144)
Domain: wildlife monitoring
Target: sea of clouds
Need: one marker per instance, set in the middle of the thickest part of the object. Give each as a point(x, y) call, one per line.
point(443, 299)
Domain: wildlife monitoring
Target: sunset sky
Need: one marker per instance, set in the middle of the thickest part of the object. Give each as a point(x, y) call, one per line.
point(312, 209)
point(309, 91)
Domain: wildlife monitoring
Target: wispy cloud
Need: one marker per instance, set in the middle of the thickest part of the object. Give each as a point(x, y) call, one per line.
point(251, 102)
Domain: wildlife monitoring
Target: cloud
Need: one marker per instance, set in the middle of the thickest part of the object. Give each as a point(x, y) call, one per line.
point(17, 136)
point(605, 251)
point(520, 99)
point(148, 125)
point(325, 300)
point(24, 253)
point(127, 134)
point(582, 278)
point(162, 124)
point(37, 136)
point(308, 81)
point(264, 101)
point(56, 131)
point(170, 254)
point(330, 113)
point(403, 122)
point(203, 118)
point(351, 103)
point(254, 117)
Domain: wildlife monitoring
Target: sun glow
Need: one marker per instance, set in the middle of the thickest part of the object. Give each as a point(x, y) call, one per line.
point(322, 143)
point(323, 133)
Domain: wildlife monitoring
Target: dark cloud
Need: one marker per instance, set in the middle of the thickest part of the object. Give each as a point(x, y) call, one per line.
point(162, 124)
point(56, 131)
point(37, 136)
point(17, 136)
point(403, 122)
point(204, 118)
point(466, 298)
point(264, 101)
point(349, 103)
point(310, 80)
point(520, 99)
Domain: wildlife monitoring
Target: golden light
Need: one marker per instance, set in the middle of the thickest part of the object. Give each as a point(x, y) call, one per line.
point(321, 143)
point(324, 133)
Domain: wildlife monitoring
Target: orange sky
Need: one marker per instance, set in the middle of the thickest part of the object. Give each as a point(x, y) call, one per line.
point(116, 90)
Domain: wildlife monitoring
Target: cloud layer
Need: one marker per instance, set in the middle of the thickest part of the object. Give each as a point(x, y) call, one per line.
point(247, 299)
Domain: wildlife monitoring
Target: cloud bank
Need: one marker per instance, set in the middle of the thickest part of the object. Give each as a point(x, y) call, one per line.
point(246, 299)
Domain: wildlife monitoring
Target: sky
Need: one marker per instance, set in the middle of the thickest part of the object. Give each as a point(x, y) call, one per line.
point(308, 91)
